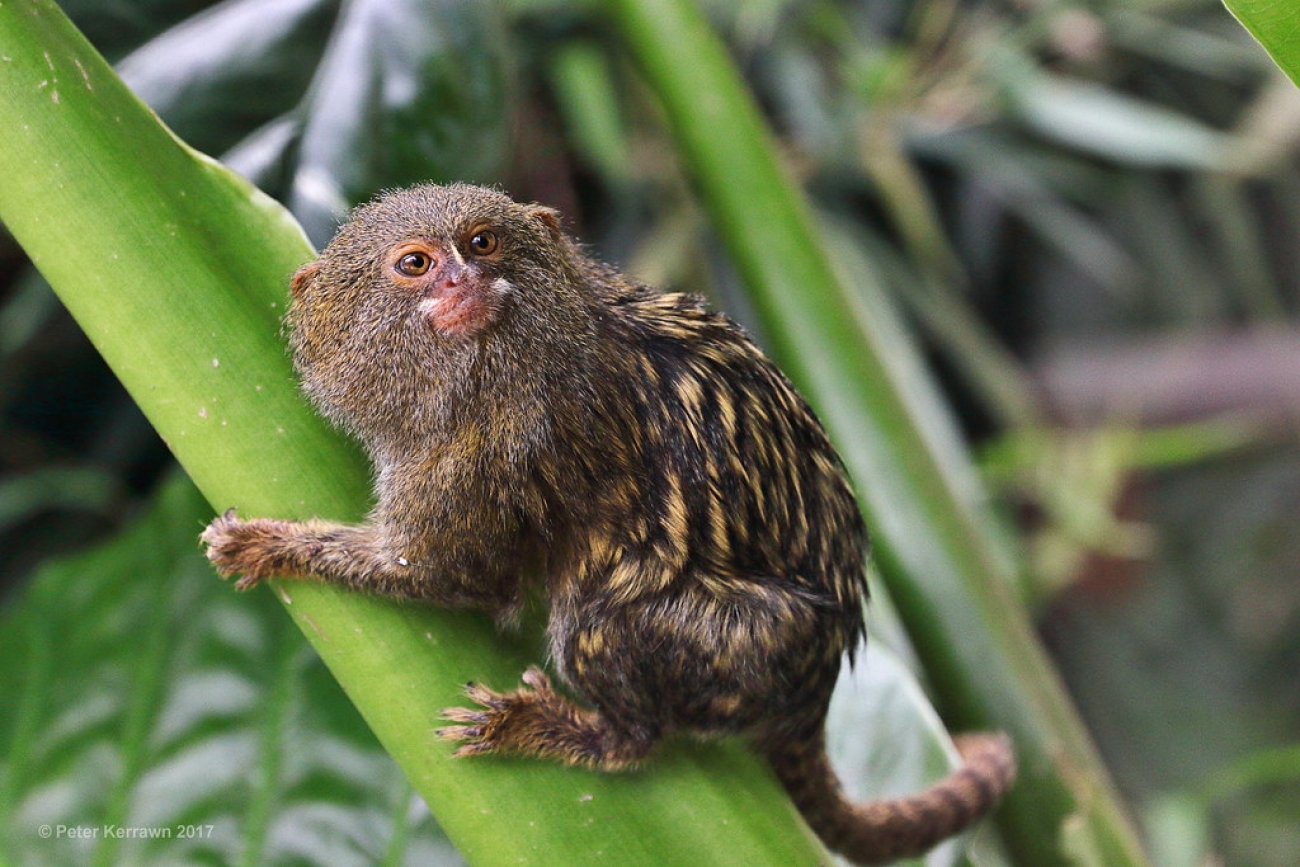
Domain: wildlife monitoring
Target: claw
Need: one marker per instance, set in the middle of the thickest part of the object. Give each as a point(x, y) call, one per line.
point(464, 715)
point(494, 726)
point(460, 733)
point(239, 548)
point(247, 582)
point(474, 723)
point(480, 694)
point(220, 524)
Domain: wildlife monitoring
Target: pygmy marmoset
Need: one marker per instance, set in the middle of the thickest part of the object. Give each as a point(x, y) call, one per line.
point(534, 416)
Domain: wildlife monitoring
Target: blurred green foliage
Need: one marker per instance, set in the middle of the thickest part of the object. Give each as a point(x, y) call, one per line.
point(1019, 177)
point(150, 696)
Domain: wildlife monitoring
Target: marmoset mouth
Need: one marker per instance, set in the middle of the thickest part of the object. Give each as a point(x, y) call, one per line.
point(465, 308)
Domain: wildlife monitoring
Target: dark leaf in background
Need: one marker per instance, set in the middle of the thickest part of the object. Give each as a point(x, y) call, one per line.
point(142, 694)
point(326, 103)
point(119, 26)
point(218, 76)
point(407, 91)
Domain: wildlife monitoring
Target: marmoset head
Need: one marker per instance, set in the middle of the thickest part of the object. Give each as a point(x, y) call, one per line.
point(422, 284)
point(449, 256)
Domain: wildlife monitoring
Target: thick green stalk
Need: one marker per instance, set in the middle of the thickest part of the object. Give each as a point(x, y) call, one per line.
point(177, 270)
point(975, 639)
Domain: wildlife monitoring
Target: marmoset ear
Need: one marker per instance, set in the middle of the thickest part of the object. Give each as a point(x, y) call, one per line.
point(549, 217)
point(305, 275)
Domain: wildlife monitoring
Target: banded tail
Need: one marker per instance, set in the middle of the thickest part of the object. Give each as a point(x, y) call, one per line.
point(882, 831)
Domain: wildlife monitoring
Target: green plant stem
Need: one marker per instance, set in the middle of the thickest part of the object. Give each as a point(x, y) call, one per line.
point(975, 639)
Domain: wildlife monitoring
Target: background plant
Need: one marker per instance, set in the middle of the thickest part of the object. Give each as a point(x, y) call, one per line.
point(1023, 180)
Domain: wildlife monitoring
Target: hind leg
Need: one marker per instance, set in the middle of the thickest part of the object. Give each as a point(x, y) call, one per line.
point(538, 721)
point(752, 660)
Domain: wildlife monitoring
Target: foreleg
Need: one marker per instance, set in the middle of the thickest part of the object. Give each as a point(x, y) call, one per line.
point(353, 555)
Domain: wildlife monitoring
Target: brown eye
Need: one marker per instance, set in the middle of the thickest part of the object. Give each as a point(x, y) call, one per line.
point(483, 243)
point(414, 264)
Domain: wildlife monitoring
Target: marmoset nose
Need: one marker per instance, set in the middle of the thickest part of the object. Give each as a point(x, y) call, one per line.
point(449, 272)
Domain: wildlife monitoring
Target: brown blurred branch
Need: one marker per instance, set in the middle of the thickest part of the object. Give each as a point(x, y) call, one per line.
point(1187, 377)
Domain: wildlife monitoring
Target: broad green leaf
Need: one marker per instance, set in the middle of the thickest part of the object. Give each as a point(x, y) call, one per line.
point(145, 698)
point(1277, 27)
